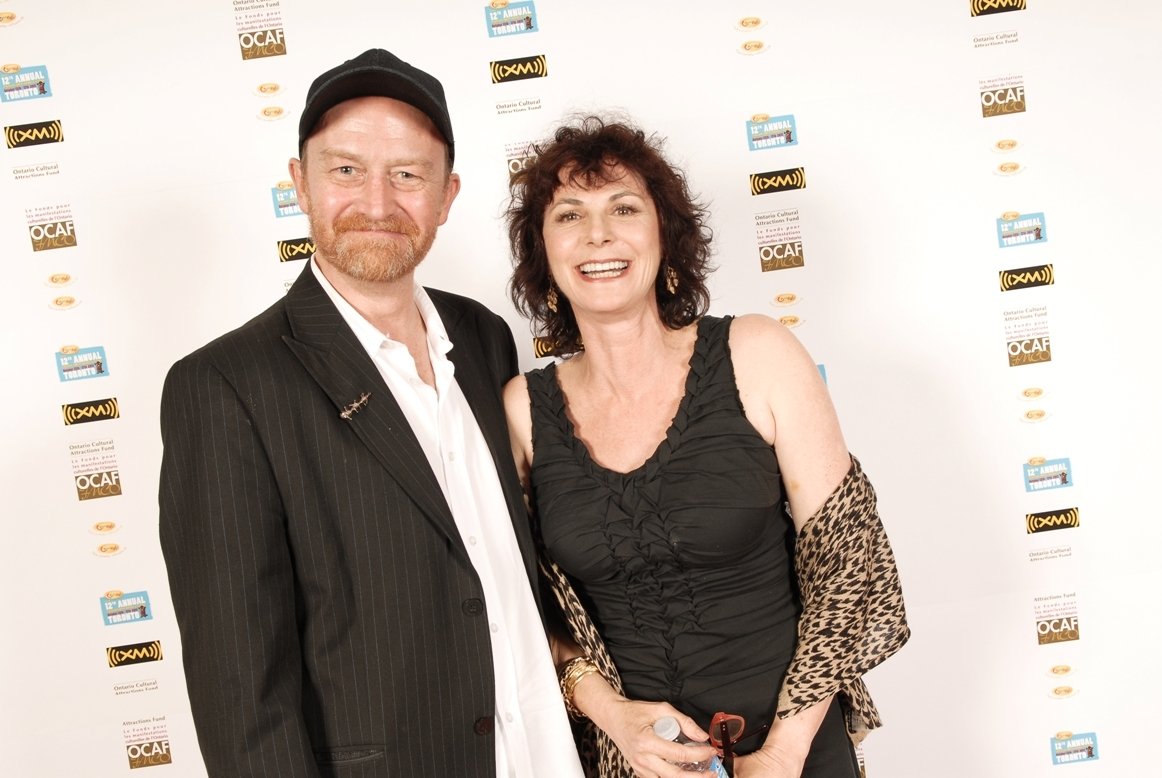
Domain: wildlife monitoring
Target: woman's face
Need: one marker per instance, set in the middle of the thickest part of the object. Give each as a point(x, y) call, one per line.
point(603, 243)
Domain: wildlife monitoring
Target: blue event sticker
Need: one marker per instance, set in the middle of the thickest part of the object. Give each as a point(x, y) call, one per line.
point(1050, 474)
point(771, 132)
point(29, 83)
point(286, 201)
point(505, 18)
point(1024, 229)
point(1080, 747)
point(88, 362)
point(123, 607)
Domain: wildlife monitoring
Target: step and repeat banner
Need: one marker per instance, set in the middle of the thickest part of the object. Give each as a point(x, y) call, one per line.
point(948, 202)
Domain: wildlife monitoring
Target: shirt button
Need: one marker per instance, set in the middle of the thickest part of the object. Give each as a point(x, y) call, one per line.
point(472, 540)
point(493, 627)
point(451, 456)
point(508, 717)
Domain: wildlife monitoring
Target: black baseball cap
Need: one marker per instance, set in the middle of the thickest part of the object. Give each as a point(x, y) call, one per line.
point(376, 73)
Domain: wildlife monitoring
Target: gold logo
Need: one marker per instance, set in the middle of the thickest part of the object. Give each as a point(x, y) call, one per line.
point(1064, 734)
point(9, 68)
point(1036, 461)
point(1025, 277)
point(1009, 216)
point(752, 47)
point(1051, 520)
point(786, 298)
point(1032, 393)
point(1060, 670)
point(519, 69)
point(95, 410)
point(70, 349)
point(285, 185)
point(750, 23)
point(7, 17)
point(134, 654)
point(271, 113)
point(1034, 415)
point(1005, 144)
point(790, 322)
point(108, 549)
point(759, 118)
point(982, 7)
point(778, 181)
point(60, 279)
point(1009, 168)
point(300, 248)
point(543, 347)
point(498, 4)
point(269, 88)
point(113, 594)
point(64, 302)
point(20, 135)
point(103, 527)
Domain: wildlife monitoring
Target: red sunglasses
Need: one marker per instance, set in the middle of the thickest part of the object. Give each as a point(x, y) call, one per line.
point(726, 730)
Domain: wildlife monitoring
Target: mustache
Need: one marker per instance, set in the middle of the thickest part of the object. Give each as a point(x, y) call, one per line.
point(358, 222)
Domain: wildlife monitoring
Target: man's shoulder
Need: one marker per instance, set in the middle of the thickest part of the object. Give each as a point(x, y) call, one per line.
point(457, 310)
point(258, 335)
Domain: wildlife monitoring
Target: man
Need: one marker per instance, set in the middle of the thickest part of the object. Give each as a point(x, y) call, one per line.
point(348, 553)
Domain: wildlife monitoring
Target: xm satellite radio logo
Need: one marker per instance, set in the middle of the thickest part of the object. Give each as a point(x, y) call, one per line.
point(1062, 518)
point(134, 653)
point(262, 43)
point(778, 181)
point(519, 69)
point(20, 135)
point(985, 7)
point(93, 410)
point(1025, 277)
point(298, 248)
point(52, 235)
point(148, 754)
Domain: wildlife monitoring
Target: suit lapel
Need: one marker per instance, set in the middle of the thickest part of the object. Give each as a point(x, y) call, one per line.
point(334, 358)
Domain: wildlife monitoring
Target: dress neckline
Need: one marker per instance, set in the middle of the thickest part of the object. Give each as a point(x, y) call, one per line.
point(672, 436)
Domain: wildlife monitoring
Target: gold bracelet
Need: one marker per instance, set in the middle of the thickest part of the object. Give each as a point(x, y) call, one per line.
point(569, 675)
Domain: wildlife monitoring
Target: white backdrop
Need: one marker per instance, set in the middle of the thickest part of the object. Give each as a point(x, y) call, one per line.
point(161, 149)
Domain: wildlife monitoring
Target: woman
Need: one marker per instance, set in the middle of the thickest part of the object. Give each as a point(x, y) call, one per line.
point(661, 458)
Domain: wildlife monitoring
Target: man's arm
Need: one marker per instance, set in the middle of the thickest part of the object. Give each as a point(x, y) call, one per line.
point(231, 579)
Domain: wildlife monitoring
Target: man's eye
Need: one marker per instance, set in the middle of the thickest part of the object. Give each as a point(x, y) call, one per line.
point(346, 170)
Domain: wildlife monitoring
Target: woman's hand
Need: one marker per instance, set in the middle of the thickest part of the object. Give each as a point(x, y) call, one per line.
point(630, 724)
point(768, 762)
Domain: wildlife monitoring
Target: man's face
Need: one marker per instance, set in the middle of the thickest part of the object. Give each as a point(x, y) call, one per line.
point(374, 183)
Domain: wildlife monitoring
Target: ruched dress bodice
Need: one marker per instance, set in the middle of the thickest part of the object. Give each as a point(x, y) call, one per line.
point(684, 562)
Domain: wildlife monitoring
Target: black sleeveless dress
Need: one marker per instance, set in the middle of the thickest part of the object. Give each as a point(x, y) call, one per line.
point(684, 563)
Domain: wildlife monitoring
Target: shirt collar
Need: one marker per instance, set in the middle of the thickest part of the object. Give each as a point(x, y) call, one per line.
point(369, 336)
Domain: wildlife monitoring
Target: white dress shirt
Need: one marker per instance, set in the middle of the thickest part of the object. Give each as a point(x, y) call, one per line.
point(533, 739)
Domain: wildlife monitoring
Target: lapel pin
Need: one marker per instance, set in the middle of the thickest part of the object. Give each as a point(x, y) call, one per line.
point(354, 407)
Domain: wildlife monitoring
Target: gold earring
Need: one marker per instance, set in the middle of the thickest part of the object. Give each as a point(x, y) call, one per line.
point(671, 279)
point(551, 299)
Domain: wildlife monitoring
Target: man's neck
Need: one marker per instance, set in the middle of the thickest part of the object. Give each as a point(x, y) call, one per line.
point(389, 305)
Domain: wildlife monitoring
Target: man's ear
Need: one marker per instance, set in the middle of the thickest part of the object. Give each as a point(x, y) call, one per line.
point(295, 167)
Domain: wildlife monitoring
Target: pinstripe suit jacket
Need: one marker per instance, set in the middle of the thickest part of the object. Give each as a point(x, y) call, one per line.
point(331, 622)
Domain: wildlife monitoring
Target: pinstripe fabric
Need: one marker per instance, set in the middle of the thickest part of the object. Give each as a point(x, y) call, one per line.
point(331, 622)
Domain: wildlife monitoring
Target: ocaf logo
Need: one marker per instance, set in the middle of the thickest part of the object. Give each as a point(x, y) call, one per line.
point(20, 135)
point(1001, 101)
point(134, 653)
point(262, 43)
point(298, 248)
point(519, 69)
point(153, 752)
point(91, 486)
point(778, 181)
point(780, 256)
point(985, 7)
point(52, 235)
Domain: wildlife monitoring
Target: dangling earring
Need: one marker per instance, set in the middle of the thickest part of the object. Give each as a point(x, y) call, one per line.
point(551, 298)
point(671, 280)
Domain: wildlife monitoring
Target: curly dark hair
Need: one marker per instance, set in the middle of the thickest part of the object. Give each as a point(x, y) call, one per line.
point(589, 151)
